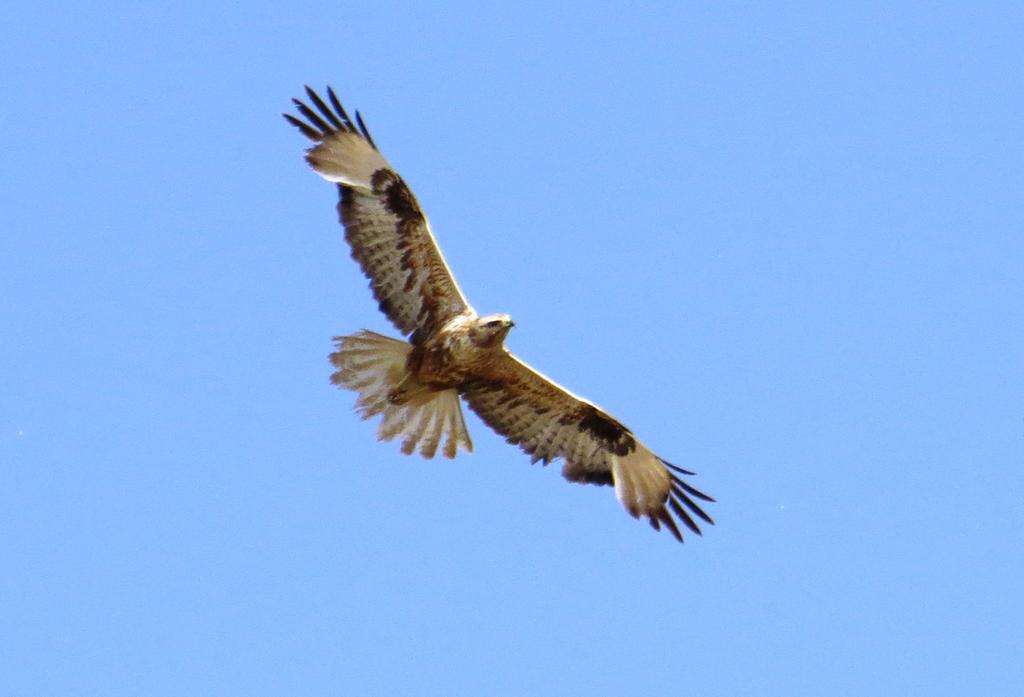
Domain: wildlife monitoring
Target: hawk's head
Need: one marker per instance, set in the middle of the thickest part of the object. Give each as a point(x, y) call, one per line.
point(491, 330)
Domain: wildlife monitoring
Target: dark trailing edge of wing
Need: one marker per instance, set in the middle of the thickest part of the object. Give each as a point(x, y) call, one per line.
point(316, 128)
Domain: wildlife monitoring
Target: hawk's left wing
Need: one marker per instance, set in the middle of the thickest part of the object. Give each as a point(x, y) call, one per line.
point(549, 422)
point(388, 232)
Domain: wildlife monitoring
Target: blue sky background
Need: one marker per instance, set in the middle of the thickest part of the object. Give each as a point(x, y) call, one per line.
point(781, 241)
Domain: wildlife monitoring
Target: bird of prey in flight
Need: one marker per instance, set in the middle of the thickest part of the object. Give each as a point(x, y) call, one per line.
point(451, 352)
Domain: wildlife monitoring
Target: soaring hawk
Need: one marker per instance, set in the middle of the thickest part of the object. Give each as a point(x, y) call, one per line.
point(452, 352)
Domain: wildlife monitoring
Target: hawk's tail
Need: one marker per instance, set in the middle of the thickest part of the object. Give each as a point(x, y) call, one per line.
point(375, 366)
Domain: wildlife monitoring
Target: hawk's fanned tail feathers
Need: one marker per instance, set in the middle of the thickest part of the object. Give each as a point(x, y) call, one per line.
point(375, 366)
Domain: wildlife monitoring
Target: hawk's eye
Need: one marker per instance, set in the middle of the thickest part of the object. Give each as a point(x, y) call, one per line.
point(494, 323)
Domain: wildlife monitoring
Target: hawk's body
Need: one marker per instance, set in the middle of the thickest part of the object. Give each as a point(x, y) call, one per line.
point(452, 352)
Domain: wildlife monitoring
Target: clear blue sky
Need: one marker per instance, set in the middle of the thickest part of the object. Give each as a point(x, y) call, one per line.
point(783, 242)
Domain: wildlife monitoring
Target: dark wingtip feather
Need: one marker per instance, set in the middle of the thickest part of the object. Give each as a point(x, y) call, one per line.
point(324, 109)
point(679, 499)
point(337, 119)
point(365, 131)
point(683, 515)
point(678, 469)
point(305, 128)
point(666, 518)
point(313, 117)
point(691, 504)
point(338, 108)
point(693, 491)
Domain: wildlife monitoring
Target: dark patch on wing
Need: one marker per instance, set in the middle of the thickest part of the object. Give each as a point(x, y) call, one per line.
point(585, 476)
point(400, 202)
point(603, 427)
point(397, 197)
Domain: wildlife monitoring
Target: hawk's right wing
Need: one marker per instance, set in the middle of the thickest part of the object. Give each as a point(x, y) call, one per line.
point(548, 422)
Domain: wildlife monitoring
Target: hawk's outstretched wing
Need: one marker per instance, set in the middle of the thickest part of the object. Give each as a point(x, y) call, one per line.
point(549, 422)
point(389, 234)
